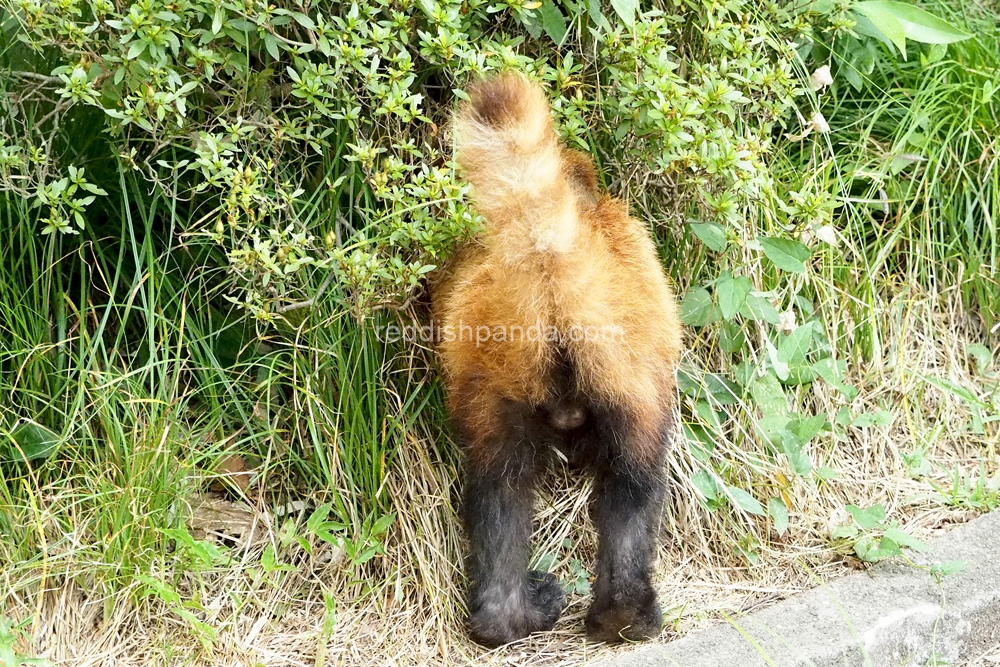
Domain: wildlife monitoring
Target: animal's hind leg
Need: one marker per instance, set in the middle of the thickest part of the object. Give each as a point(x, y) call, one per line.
point(506, 601)
point(626, 505)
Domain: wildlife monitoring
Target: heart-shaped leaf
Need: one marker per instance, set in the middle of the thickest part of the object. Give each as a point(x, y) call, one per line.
point(732, 293)
point(745, 501)
point(869, 518)
point(786, 254)
point(30, 441)
point(779, 514)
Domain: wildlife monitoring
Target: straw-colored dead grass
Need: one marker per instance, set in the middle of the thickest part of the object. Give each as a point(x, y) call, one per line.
point(413, 617)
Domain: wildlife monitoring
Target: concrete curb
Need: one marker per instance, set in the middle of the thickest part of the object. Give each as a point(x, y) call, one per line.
point(893, 616)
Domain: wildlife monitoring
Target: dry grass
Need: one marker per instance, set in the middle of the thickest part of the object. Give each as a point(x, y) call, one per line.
point(413, 617)
point(988, 658)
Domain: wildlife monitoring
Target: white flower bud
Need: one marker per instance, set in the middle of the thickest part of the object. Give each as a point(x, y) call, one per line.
point(818, 123)
point(828, 234)
point(786, 321)
point(821, 78)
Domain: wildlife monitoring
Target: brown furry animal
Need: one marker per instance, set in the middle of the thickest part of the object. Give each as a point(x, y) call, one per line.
point(556, 329)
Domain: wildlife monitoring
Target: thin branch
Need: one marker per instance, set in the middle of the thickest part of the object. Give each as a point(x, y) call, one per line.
point(389, 305)
point(290, 42)
point(43, 78)
point(308, 303)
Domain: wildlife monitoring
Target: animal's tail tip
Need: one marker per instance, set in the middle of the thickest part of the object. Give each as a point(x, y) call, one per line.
point(507, 146)
point(505, 100)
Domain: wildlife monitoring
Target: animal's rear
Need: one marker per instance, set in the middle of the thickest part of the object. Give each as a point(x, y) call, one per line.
point(552, 254)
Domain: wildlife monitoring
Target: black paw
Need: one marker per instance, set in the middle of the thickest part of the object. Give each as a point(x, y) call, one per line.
point(547, 596)
point(500, 617)
point(632, 619)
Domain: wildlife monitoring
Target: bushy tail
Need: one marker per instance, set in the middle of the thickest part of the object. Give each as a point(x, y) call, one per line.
point(509, 151)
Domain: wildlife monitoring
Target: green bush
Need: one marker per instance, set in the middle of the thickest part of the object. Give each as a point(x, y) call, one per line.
point(312, 137)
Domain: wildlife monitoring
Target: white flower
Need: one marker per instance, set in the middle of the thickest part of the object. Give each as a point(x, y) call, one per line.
point(821, 78)
point(838, 517)
point(786, 321)
point(828, 234)
point(818, 123)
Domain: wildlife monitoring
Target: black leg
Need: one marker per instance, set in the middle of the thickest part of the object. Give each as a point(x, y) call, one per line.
point(628, 497)
point(506, 601)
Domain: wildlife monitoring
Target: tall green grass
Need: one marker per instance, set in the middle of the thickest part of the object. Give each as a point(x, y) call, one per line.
point(122, 344)
point(916, 156)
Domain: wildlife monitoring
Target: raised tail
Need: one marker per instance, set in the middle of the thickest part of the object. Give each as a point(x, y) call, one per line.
point(508, 149)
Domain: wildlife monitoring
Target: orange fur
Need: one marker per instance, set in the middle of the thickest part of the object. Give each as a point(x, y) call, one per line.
point(556, 253)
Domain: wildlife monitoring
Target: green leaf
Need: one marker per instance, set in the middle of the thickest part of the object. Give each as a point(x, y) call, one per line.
point(429, 7)
point(832, 371)
point(626, 10)
point(922, 26)
point(869, 518)
point(711, 234)
point(793, 348)
point(900, 20)
point(697, 308)
point(745, 501)
point(706, 484)
point(862, 58)
point(269, 561)
point(382, 525)
point(769, 396)
point(827, 473)
point(779, 367)
point(709, 415)
point(731, 337)
point(726, 392)
point(848, 532)
point(880, 418)
point(545, 562)
point(773, 428)
point(895, 534)
point(320, 527)
point(688, 383)
point(553, 21)
point(866, 550)
point(957, 390)
point(786, 254)
point(32, 441)
point(779, 514)
point(303, 20)
point(366, 555)
point(597, 16)
point(792, 439)
point(851, 74)
point(948, 568)
point(136, 49)
point(885, 21)
point(760, 308)
point(794, 449)
point(271, 44)
point(935, 53)
point(807, 429)
point(732, 293)
point(982, 355)
point(700, 441)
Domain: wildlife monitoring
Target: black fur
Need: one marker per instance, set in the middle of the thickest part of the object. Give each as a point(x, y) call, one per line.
point(506, 601)
point(625, 508)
